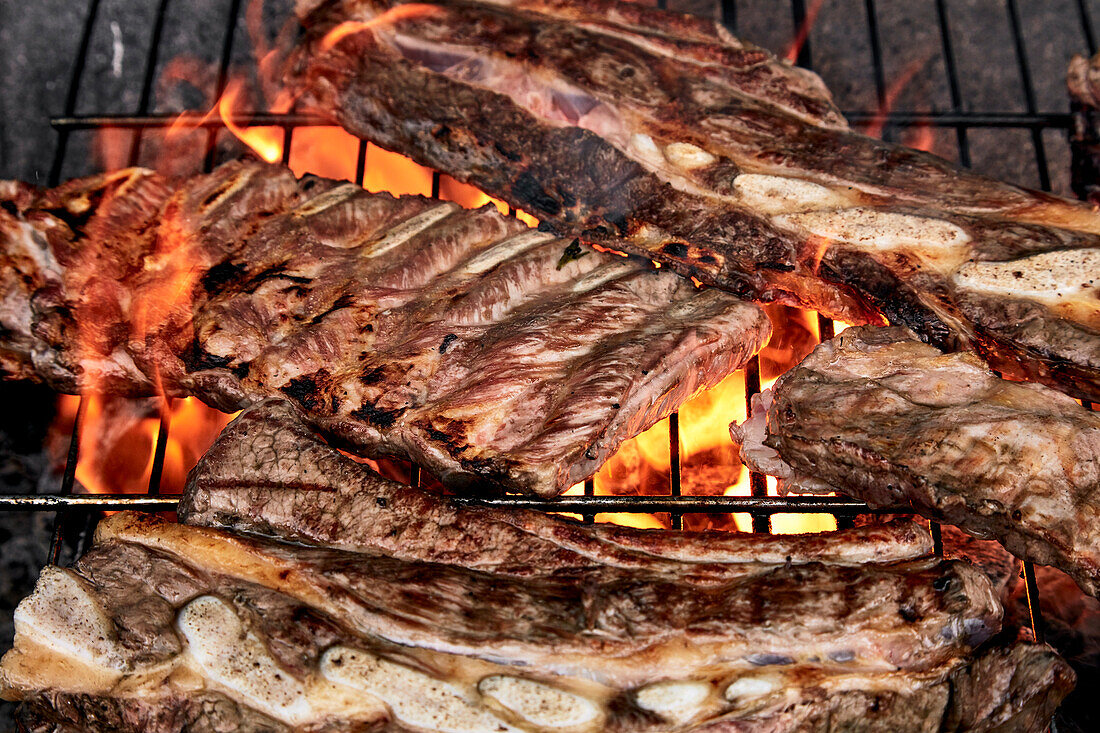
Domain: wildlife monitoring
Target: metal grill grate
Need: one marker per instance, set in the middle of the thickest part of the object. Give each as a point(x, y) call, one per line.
point(77, 513)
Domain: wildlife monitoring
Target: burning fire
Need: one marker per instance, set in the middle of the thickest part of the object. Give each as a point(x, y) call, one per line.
point(351, 27)
point(119, 436)
point(118, 440)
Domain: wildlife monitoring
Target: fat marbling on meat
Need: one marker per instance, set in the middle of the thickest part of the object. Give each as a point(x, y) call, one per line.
point(439, 615)
point(878, 415)
point(662, 135)
point(493, 354)
point(164, 627)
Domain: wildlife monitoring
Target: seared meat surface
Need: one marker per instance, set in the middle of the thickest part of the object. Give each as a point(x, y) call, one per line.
point(661, 135)
point(269, 474)
point(165, 627)
point(488, 352)
point(880, 416)
point(442, 616)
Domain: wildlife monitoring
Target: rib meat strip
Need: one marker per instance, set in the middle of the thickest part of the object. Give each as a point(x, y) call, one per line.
point(167, 627)
point(490, 353)
point(269, 474)
point(880, 416)
point(662, 135)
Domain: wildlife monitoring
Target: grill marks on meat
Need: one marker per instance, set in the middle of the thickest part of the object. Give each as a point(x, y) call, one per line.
point(488, 352)
point(268, 474)
point(174, 628)
point(412, 624)
point(882, 417)
point(685, 145)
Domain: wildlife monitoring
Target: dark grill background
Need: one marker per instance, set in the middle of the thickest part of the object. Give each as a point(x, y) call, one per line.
point(985, 77)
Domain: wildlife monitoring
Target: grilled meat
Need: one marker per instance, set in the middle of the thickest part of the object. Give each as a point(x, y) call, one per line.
point(885, 418)
point(172, 627)
point(488, 352)
point(268, 474)
point(661, 135)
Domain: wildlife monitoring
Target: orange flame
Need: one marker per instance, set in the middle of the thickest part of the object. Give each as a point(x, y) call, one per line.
point(118, 440)
point(803, 32)
point(267, 142)
point(708, 459)
point(920, 137)
point(351, 27)
point(890, 97)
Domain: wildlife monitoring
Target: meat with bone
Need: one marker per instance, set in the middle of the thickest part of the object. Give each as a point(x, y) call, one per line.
point(490, 353)
point(880, 416)
point(168, 627)
point(268, 474)
point(661, 135)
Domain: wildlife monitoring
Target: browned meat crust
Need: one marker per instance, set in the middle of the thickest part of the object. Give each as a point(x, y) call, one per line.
point(268, 474)
point(685, 145)
point(1007, 691)
point(880, 416)
point(490, 353)
point(176, 627)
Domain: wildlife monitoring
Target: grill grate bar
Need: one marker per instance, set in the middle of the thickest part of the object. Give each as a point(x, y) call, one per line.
point(764, 505)
point(150, 76)
point(758, 485)
point(161, 445)
point(802, 32)
point(74, 90)
point(1086, 26)
point(1029, 93)
point(728, 15)
point(952, 79)
point(876, 53)
point(223, 77)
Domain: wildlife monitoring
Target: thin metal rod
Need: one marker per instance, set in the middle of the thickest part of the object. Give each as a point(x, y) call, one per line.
point(1033, 601)
point(954, 118)
point(190, 119)
point(161, 445)
point(579, 504)
point(68, 479)
point(674, 465)
point(288, 138)
point(952, 79)
point(758, 486)
point(74, 90)
point(223, 77)
point(1029, 93)
point(729, 15)
point(361, 163)
point(937, 537)
point(876, 53)
point(149, 76)
point(435, 184)
point(1086, 26)
point(802, 33)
